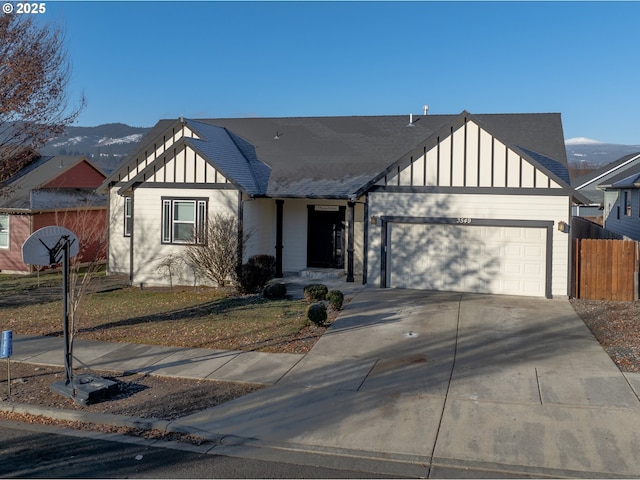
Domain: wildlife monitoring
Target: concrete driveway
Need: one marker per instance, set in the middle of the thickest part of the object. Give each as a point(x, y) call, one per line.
point(416, 383)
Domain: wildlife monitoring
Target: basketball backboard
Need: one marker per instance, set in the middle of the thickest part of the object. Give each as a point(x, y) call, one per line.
point(41, 244)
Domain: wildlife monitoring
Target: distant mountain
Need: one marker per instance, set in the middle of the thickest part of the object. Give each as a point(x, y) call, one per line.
point(585, 153)
point(106, 145)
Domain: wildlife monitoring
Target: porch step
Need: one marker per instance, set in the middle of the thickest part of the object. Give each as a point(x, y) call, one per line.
point(321, 273)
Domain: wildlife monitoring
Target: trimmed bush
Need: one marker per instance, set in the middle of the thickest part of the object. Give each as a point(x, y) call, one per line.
point(316, 292)
point(274, 291)
point(317, 313)
point(248, 278)
point(254, 275)
point(335, 299)
point(266, 264)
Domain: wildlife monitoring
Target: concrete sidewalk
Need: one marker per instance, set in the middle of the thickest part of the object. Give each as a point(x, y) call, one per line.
point(441, 384)
point(414, 383)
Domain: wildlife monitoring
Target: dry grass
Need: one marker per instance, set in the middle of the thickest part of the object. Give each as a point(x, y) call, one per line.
point(181, 317)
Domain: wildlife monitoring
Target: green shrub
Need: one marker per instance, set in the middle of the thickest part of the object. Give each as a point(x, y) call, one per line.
point(317, 313)
point(274, 291)
point(266, 264)
point(315, 292)
point(335, 299)
point(254, 275)
point(248, 278)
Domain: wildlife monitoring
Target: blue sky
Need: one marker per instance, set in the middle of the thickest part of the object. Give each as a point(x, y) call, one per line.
point(138, 62)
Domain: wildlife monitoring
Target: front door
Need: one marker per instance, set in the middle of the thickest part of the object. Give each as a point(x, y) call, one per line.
point(325, 245)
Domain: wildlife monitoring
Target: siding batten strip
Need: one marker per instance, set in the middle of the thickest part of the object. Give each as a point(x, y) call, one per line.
point(438, 162)
point(479, 136)
point(411, 171)
point(184, 156)
point(506, 167)
point(520, 171)
point(424, 173)
point(175, 166)
point(451, 159)
point(493, 150)
point(464, 156)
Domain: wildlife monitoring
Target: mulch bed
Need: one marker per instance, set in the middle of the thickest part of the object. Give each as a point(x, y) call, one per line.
point(616, 325)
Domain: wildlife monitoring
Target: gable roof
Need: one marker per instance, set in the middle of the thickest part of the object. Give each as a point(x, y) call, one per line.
point(333, 157)
point(628, 178)
point(589, 184)
point(27, 190)
point(232, 155)
point(502, 127)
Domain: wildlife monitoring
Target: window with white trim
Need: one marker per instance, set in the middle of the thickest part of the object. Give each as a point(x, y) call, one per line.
point(128, 216)
point(4, 230)
point(184, 220)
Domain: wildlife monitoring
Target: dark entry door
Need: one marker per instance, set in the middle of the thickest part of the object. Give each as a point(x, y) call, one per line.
point(325, 236)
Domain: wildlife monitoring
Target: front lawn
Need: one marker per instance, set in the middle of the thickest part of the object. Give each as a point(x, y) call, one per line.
point(184, 317)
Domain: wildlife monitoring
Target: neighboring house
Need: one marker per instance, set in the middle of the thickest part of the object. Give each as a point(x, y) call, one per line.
point(51, 191)
point(472, 203)
point(588, 184)
point(622, 201)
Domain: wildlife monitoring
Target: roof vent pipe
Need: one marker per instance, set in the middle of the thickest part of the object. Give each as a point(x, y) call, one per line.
point(410, 120)
point(426, 109)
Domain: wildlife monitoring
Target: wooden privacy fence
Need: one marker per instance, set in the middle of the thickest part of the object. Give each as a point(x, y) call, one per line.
point(605, 269)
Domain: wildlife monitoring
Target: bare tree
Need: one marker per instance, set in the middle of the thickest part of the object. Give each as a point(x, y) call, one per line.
point(171, 265)
point(34, 74)
point(217, 258)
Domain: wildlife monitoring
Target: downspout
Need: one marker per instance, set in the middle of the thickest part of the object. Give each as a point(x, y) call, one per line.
point(279, 247)
point(365, 243)
point(571, 267)
point(350, 240)
point(383, 253)
point(131, 242)
point(31, 224)
point(108, 232)
point(240, 231)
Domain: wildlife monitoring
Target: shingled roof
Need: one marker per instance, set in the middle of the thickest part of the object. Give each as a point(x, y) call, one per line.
point(606, 175)
point(333, 157)
point(27, 191)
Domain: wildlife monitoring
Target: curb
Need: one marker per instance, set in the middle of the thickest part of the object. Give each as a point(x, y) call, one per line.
point(234, 446)
point(241, 447)
point(87, 417)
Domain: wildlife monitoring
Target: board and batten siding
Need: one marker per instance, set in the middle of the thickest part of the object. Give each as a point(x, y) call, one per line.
point(468, 173)
point(183, 165)
point(468, 157)
point(155, 149)
point(474, 206)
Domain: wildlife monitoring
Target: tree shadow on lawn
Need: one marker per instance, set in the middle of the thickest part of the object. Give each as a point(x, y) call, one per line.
point(205, 311)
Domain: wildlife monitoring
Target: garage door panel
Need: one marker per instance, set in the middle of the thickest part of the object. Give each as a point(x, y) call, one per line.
point(482, 259)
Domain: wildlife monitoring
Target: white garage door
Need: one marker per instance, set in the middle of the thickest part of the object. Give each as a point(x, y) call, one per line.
point(482, 259)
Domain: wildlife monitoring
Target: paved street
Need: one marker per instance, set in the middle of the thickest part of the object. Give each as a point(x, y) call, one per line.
point(414, 384)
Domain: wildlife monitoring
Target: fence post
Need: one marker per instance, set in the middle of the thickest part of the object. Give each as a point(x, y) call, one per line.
point(575, 271)
point(636, 269)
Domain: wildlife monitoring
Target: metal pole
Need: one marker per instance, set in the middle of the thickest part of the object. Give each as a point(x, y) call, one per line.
point(9, 376)
point(65, 308)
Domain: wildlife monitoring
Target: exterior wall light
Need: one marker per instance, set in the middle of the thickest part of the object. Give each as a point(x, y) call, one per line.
point(563, 227)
